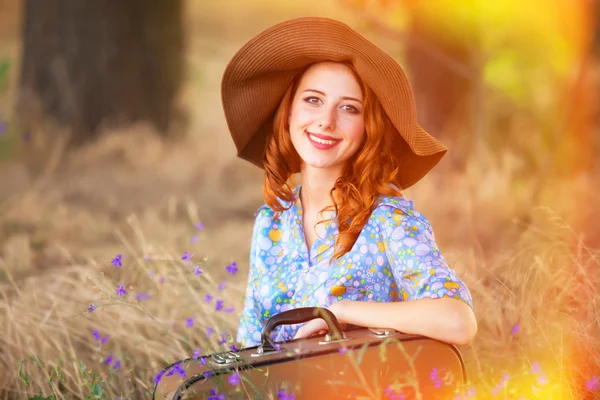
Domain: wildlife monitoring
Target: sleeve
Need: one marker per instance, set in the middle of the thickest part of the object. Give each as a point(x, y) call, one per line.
point(418, 267)
point(250, 327)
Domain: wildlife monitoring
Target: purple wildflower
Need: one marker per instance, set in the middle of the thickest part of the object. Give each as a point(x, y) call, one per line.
point(213, 393)
point(234, 379)
point(177, 369)
point(209, 331)
point(186, 256)
point(117, 365)
point(195, 239)
point(219, 305)
point(435, 378)
point(158, 377)
point(96, 334)
point(234, 348)
point(208, 298)
point(208, 374)
point(342, 350)
point(2, 127)
point(142, 296)
point(189, 322)
point(535, 367)
point(221, 286)
point(121, 290)
point(117, 261)
point(229, 309)
point(162, 279)
point(197, 270)
point(283, 395)
point(199, 226)
point(542, 379)
point(515, 329)
point(91, 307)
point(232, 268)
point(202, 360)
point(104, 340)
point(224, 337)
point(593, 384)
point(196, 354)
point(109, 359)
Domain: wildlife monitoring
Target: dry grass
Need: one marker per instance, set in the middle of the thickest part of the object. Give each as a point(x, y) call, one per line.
point(539, 277)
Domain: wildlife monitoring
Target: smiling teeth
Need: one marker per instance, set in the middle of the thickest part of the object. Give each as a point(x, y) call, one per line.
point(316, 139)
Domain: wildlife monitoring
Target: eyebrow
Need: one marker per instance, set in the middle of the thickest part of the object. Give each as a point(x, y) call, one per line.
point(323, 94)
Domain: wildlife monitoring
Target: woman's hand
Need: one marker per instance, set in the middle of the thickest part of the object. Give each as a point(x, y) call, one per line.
point(318, 326)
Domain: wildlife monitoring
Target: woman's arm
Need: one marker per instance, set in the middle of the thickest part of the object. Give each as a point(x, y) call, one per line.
point(448, 320)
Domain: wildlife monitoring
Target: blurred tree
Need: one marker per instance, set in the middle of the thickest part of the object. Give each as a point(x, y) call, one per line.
point(90, 63)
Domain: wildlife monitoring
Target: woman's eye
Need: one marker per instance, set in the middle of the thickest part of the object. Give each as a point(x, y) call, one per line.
point(312, 100)
point(351, 109)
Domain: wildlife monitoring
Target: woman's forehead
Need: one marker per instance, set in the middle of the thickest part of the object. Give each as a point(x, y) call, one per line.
point(331, 77)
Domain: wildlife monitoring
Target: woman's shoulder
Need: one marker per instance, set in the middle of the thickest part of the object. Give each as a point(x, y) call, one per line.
point(390, 206)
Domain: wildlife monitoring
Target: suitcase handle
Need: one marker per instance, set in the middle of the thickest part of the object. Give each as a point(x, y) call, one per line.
point(297, 316)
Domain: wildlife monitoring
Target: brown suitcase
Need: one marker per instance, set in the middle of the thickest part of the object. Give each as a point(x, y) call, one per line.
point(358, 363)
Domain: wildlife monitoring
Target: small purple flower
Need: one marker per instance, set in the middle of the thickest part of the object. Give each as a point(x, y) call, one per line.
point(234, 348)
point(121, 290)
point(117, 365)
point(197, 270)
point(223, 338)
point(189, 322)
point(2, 128)
point(542, 379)
point(209, 331)
point(109, 359)
point(104, 340)
point(208, 374)
point(162, 279)
point(213, 392)
point(202, 360)
point(221, 286)
point(186, 256)
point(142, 296)
point(282, 394)
point(342, 350)
point(232, 268)
point(515, 329)
point(593, 384)
point(177, 369)
point(117, 261)
point(199, 226)
point(535, 367)
point(158, 377)
point(195, 239)
point(196, 354)
point(434, 376)
point(208, 298)
point(96, 334)
point(234, 379)
point(91, 307)
point(219, 305)
point(229, 309)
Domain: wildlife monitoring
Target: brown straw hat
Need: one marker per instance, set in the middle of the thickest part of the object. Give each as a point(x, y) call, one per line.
point(258, 75)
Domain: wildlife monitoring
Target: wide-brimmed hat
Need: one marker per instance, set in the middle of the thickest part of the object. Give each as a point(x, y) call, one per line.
point(259, 74)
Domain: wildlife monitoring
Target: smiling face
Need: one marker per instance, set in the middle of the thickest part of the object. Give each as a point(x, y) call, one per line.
point(326, 120)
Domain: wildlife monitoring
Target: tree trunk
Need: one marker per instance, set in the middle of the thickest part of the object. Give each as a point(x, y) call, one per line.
point(444, 85)
point(89, 64)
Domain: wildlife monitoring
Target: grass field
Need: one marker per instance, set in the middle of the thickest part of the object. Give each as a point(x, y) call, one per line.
point(527, 248)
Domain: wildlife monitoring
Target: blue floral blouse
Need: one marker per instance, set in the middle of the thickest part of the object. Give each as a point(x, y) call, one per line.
point(395, 258)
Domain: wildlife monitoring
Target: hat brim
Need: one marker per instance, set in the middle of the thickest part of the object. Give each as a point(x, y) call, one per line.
point(258, 75)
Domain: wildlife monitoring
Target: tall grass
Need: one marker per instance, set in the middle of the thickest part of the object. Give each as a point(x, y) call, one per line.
point(535, 286)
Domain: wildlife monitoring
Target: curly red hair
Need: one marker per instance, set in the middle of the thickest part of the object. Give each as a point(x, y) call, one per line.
point(366, 175)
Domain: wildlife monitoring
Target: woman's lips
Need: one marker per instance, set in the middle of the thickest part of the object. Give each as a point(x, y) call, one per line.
point(322, 142)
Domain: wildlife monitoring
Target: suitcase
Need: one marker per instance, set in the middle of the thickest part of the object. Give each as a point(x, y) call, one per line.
point(358, 363)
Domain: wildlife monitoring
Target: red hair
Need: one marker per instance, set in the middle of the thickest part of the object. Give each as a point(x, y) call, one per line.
point(366, 174)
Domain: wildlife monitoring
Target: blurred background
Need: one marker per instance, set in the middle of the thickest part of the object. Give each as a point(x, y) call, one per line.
point(115, 160)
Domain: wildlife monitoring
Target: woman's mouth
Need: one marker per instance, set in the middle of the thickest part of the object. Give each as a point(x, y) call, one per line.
point(322, 142)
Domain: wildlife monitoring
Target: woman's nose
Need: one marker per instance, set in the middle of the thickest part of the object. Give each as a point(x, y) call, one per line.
point(327, 119)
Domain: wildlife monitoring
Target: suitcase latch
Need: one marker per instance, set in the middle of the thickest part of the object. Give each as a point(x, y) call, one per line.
point(225, 358)
point(382, 332)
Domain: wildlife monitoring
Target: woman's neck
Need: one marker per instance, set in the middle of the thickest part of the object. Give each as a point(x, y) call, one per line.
point(316, 187)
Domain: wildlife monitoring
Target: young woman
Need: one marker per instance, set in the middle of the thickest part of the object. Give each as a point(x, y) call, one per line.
point(312, 96)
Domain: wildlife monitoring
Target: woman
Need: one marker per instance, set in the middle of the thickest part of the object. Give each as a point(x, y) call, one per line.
point(312, 96)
